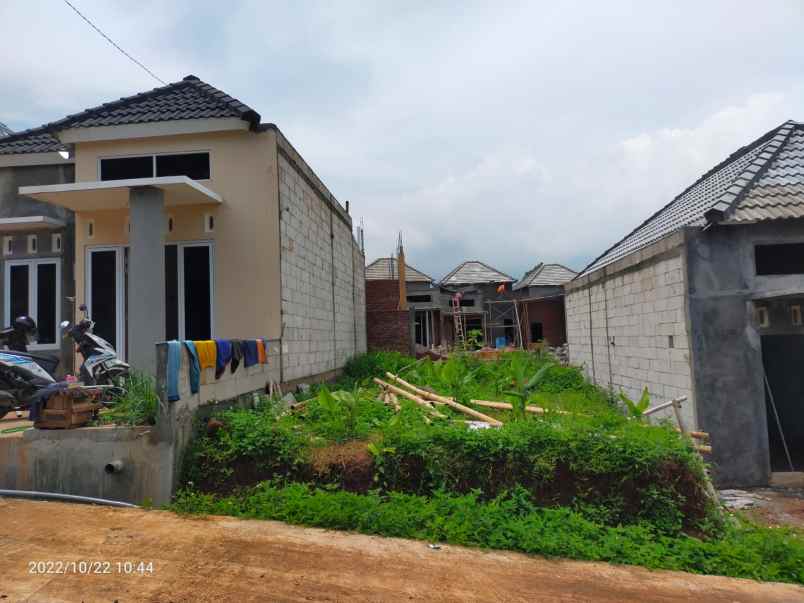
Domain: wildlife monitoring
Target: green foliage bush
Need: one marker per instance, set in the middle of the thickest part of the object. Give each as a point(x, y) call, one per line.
point(138, 404)
point(375, 364)
point(511, 521)
point(643, 473)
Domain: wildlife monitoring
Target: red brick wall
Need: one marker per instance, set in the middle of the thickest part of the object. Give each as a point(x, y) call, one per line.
point(389, 330)
point(382, 295)
point(549, 312)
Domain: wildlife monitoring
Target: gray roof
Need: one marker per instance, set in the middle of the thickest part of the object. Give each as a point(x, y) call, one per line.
point(189, 98)
point(475, 272)
point(777, 191)
point(35, 141)
point(545, 275)
point(691, 207)
point(386, 268)
point(5, 130)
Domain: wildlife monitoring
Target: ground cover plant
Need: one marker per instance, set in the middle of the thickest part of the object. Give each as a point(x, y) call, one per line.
point(586, 461)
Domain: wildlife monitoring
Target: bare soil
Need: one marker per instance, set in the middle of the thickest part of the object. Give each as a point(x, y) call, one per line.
point(224, 559)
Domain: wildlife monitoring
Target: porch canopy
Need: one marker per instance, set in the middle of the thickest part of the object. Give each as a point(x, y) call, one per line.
point(30, 223)
point(115, 194)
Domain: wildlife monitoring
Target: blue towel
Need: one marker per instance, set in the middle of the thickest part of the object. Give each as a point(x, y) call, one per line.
point(173, 363)
point(250, 352)
point(224, 347)
point(195, 367)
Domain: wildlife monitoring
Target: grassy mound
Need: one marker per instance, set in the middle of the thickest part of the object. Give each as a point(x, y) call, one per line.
point(583, 480)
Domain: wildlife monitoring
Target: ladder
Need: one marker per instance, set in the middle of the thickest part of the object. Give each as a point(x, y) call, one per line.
point(460, 340)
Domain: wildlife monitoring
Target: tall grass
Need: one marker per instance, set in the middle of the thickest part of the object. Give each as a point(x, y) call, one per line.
point(137, 405)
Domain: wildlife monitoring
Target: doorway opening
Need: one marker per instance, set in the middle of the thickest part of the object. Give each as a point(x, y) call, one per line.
point(106, 294)
point(781, 356)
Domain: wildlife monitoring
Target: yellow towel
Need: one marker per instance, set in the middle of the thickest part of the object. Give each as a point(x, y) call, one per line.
point(261, 358)
point(207, 353)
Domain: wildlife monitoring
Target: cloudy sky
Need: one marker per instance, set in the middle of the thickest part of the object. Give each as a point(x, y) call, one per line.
point(502, 131)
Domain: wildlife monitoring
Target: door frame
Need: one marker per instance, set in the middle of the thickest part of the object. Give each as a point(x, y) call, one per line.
point(120, 291)
point(33, 296)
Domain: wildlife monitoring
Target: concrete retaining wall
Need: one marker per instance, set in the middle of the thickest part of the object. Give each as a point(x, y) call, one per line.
point(72, 461)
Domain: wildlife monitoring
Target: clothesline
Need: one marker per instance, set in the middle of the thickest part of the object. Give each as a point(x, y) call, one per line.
point(217, 354)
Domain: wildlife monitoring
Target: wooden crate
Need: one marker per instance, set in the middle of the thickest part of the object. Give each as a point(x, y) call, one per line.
point(66, 411)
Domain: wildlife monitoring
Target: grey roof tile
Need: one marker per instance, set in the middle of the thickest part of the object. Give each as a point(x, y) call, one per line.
point(386, 268)
point(718, 189)
point(475, 272)
point(189, 98)
point(5, 130)
point(545, 275)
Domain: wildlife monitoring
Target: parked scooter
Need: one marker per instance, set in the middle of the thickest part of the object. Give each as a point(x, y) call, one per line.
point(101, 365)
point(27, 380)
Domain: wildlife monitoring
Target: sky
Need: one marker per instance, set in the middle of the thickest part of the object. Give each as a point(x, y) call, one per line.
point(507, 132)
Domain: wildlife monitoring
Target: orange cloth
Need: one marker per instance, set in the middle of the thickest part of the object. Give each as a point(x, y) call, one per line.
point(261, 356)
point(207, 353)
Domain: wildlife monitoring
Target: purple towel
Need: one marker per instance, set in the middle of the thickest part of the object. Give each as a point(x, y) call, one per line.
point(224, 349)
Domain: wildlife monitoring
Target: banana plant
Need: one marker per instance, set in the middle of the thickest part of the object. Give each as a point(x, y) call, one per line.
point(636, 410)
point(524, 386)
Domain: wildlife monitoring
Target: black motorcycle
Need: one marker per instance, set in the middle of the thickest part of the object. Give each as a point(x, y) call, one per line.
point(27, 380)
point(101, 365)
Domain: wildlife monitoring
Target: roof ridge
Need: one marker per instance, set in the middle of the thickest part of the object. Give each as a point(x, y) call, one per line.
point(729, 199)
point(728, 160)
point(246, 112)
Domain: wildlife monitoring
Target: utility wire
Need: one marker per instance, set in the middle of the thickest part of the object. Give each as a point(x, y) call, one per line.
point(113, 43)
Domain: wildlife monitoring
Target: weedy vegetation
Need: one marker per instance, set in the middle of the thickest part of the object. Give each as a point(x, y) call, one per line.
point(586, 479)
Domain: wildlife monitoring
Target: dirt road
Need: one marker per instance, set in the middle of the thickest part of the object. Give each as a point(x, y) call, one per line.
point(223, 559)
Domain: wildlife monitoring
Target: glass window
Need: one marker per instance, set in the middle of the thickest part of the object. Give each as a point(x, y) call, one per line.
point(192, 165)
point(33, 289)
point(125, 168)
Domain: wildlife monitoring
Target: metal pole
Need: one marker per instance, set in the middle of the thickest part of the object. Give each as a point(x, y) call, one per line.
point(778, 421)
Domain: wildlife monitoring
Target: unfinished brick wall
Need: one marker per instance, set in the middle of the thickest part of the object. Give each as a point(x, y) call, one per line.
point(388, 328)
point(619, 329)
point(322, 281)
point(549, 312)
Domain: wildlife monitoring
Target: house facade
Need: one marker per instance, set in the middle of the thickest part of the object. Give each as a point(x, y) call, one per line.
point(704, 300)
point(395, 326)
point(540, 295)
point(195, 220)
point(36, 269)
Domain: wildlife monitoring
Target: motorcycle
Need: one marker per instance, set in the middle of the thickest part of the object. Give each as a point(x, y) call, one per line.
point(101, 365)
point(27, 380)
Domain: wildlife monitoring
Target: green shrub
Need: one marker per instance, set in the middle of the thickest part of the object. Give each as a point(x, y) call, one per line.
point(645, 473)
point(511, 521)
point(374, 364)
point(138, 404)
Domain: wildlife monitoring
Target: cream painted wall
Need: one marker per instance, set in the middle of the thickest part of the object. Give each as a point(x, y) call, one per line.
point(246, 238)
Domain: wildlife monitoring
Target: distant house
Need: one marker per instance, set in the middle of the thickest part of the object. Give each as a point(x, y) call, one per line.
point(477, 283)
point(704, 299)
point(540, 294)
point(389, 329)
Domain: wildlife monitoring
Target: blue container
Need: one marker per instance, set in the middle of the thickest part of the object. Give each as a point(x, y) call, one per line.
point(501, 342)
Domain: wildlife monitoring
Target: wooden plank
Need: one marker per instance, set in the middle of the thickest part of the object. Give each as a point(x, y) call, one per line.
point(410, 396)
point(444, 400)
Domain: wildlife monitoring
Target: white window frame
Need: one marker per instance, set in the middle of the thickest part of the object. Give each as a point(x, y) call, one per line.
point(153, 157)
point(33, 301)
point(180, 246)
point(120, 291)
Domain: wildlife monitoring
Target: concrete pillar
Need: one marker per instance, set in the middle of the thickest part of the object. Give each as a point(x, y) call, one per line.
point(146, 276)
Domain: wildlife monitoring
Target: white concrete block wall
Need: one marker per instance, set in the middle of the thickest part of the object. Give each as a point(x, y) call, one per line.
point(639, 311)
point(318, 297)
